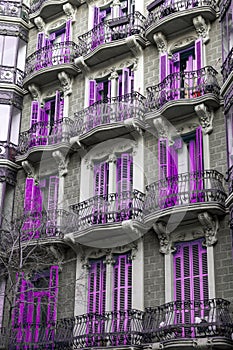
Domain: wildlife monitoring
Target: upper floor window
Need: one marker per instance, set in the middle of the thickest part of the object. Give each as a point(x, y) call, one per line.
point(8, 50)
point(60, 35)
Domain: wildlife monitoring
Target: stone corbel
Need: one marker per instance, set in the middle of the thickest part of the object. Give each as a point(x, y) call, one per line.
point(133, 253)
point(39, 22)
point(211, 225)
point(160, 41)
point(205, 117)
point(29, 170)
point(130, 123)
point(62, 162)
point(69, 11)
point(134, 47)
point(202, 28)
point(165, 241)
point(66, 83)
point(160, 127)
point(34, 91)
point(79, 61)
point(109, 260)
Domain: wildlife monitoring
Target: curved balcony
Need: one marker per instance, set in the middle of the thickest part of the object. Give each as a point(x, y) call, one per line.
point(111, 38)
point(173, 16)
point(49, 8)
point(109, 118)
point(11, 75)
point(179, 92)
point(49, 61)
point(185, 195)
point(99, 219)
point(8, 150)
point(44, 138)
point(14, 9)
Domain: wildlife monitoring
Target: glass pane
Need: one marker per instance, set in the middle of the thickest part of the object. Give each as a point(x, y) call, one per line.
point(9, 52)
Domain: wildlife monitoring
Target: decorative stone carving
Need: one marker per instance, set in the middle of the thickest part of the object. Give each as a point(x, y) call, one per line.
point(161, 127)
point(132, 232)
point(66, 83)
point(85, 262)
point(205, 117)
point(164, 238)
point(11, 98)
point(202, 343)
point(202, 28)
point(13, 29)
point(113, 75)
point(8, 175)
point(211, 225)
point(69, 11)
point(34, 91)
point(79, 61)
point(39, 22)
point(109, 260)
point(178, 44)
point(62, 162)
point(131, 123)
point(29, 170)
point(134, 47)
point(160, 41)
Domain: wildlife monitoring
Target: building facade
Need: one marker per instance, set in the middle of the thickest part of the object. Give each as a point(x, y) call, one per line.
point(115, 148)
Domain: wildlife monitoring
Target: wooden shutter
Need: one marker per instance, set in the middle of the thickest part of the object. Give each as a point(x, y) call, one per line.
point(34, 112)
point(198, 54)
point(97, 287)
point(163, 66)
point(95, 16)
point(163, 159)
point(68, 30)
point(58, 107)
point(40, 41)
point(52, 205)
point(199, 150)
point(122, 283)
point(101, 179)
point(92, 92)
point(53, 294)
point(124, 173)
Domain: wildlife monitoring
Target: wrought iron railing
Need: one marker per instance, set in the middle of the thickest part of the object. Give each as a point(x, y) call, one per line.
point(227, 66)
point(115, 207)
point(183, 189)
point(14, 9)
point(174, 320)
point(51, 55)
point(183, 85)
point(170, 7)
point(110, 30)
point(8, 150)
point(229, 179)
point(44, 133)
point(11, 75)
point(108, 111)
point(188, 319)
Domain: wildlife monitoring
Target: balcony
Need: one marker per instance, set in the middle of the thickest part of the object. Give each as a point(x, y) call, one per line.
point(229, 179)
point(99, 219)
point(179, 92)
point(49, 61)
point(8, 150)
point(178, 323)
point(44, 137)
point(11, 75)
point(187, 193)
point(109, 118)
point(173, 16)
point(49, 8)
point(14, 9)
point(109, 39)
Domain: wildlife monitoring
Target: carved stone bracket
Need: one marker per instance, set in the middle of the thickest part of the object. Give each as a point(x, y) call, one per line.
point(165, 241)
point(205, 117)
point(62, 162)
point(34, 91)
point(130, 123)
point(202, 28)
point(69, 11)
point(8, 175)
point(29, 170)
point(211, 225)
point(66, 83)
point(161, 127)
point(79, 61)
point(160, 41)
point(134, 47)
point(39, 22)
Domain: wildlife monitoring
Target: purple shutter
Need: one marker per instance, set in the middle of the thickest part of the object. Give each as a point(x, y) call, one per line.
point(42, 129)
point(101, 173)
point(36, 211)
point(163, 171)
point(92, 92)
point(68, 30)
point(40, 41)
point(96, 16)
point(124, 186)
point(57, 113)
point(163, 66)
point(198, 53)
point(175, 83)
point(52, 205)
point(100, 89)
point(28, 200)
point(172, 175)
point(34, 112)
point(52, 297)
point(97, 287)
point(126, 80)
point(199, 152)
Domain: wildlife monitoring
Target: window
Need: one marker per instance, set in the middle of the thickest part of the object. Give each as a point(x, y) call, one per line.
point(227, 31)
point(8, 50)
point(37, 198)
point(36, 303)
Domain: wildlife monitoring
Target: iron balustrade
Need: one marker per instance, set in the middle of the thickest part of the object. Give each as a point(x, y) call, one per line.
point(183, 189)
point(227, 66)
point(188, 319)
point(170, 7)
point(8, 150)
point(114, 207)
point(51, 55)
point(108, 111)
point(45, 133)
point(14, 9)
point(183, 85)
point(110, 30)
point(172, 321)
point(11, 75)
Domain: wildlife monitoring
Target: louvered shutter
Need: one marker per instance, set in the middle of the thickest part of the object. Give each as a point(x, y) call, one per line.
point(92, 92)
point(124, 186)
point(163, 171)
point(95, 35)
point(95, 16)
point(42, 128)
point(40, 41)
point(34, 112)
point(67, 39)
point(58, 114)
point(163, 66)
point(172, 175)
point(68, 30)
point(176, 83)
point(36, 211)
point(41, 59)
point(97, 287)
point(28, 200)
point(52, 295)
point(199, 151)
point(101, 174)
point(52, 205)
